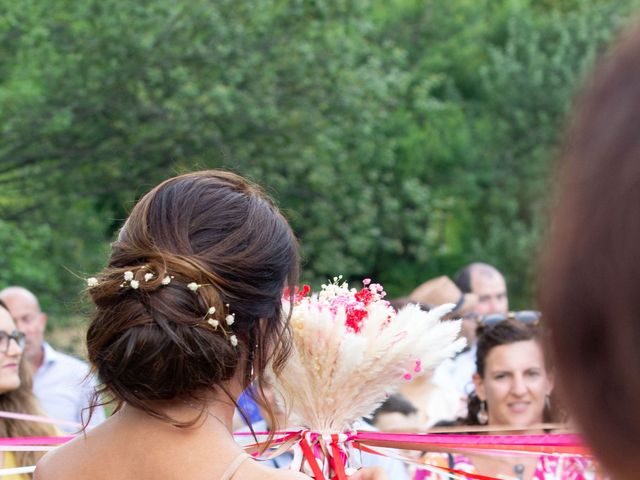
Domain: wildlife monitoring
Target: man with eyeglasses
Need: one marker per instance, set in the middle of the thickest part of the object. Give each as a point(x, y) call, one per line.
point(59, 380)
point(488, 284)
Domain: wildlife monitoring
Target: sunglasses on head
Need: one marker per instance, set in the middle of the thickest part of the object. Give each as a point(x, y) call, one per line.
point(528, 317)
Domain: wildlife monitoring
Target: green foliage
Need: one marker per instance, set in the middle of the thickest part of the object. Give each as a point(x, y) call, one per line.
point(402, 138)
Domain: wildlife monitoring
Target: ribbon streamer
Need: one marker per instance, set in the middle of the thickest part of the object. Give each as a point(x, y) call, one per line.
point(310, 448)
point(39, 419)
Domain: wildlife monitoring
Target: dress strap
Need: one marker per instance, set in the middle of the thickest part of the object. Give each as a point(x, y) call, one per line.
point(233, 466)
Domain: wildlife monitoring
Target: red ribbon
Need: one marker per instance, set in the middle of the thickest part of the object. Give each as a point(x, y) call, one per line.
point(311, 459)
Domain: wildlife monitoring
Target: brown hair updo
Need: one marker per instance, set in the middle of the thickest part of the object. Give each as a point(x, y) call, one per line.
point(152, 343)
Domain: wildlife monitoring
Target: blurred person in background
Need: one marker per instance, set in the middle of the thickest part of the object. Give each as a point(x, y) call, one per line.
point(591, 263)
point(488, 285)
point(60, 381)
point(435, 402)
point(396, 414)
point(16, 396)
point(513, 384)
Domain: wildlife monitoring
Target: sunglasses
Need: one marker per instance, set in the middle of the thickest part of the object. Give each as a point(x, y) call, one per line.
point(528, 317)
point(5, 340)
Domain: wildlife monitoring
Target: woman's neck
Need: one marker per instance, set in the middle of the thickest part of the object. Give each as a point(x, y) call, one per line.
point(213, 413)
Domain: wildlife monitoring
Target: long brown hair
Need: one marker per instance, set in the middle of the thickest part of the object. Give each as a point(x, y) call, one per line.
point(152, 343)
point(591, 266)
point(22, 400)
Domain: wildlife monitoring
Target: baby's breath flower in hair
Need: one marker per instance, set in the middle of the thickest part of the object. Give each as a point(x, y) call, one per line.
point(92, 282)
point(213, 322)
point(128, 276)
point(166, 280)
point(193, 286)
point(135, 284)
point(230, 318)
point(234, 340)
point(212, 310)
point(148, 276)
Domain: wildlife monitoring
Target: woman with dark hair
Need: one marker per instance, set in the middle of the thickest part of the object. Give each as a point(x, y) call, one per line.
point(591, 267)
point(513, 385)
point(188, 314)
point(16, 396)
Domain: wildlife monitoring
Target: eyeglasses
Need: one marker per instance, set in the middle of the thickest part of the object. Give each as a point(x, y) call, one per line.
point(5, 339)
point(528, 317)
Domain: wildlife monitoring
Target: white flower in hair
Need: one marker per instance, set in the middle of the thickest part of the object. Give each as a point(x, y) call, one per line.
point(193, 286)
point(128, 276)
point(212, 310)
point(213, 322)
point(92, 282)
point(166, 280)
point(135, 284)
point(230, 318)
point(148, 276)
point(234, 340)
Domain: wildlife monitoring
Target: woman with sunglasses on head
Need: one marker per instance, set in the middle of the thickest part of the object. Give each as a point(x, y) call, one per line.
point(16, 396)
point(513, 384)
point(188, 313)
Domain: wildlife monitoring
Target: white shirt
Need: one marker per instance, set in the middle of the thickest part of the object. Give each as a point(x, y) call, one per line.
point(61, 386)
point(457, 373)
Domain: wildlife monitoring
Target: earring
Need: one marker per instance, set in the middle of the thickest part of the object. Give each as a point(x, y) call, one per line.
point(482, 415)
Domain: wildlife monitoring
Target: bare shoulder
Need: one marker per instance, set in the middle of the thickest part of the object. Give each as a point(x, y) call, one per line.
point(66, 461)
point(49, 466)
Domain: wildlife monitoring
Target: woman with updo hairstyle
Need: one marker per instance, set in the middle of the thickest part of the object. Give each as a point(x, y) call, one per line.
point(188, 313)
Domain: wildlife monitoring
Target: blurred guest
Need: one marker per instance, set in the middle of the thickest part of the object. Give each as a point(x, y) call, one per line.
point(513, 385)
point(438, 402)
point(488, 284)
point(396, 414)
point(16, 396)
point(591, 267)
point(60, 381)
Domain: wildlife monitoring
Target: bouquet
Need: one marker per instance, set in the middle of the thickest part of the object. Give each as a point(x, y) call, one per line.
point(350, 350)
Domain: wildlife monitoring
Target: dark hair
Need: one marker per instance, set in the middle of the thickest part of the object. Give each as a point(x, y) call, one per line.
point(462, 278)
point(395, 403)
point(503, 333)
point(152, 343)
point(589, 279)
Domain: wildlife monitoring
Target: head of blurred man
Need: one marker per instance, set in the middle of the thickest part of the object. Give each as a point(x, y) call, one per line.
point(25, 310)
point(489, 285)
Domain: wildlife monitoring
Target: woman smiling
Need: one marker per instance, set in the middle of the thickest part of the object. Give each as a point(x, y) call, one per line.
point(16, 395)
point(513, 384)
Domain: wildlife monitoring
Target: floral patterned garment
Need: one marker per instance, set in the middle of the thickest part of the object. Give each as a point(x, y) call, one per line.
point(548, 468)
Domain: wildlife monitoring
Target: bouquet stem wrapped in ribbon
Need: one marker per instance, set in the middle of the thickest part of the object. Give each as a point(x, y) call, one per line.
point(351, 349)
